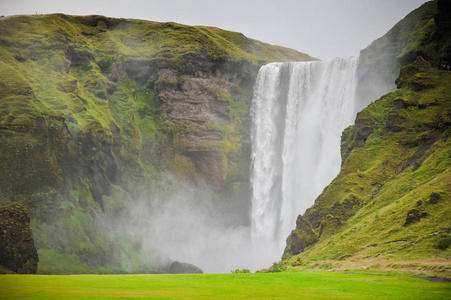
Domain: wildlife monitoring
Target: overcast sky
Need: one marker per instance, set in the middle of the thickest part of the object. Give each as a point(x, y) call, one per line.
point(320, 28)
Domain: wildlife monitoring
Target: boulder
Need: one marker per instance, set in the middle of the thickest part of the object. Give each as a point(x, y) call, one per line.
point(17, 251)
point(184, 268)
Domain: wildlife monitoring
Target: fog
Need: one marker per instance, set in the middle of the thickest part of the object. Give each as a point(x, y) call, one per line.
point(189, 225)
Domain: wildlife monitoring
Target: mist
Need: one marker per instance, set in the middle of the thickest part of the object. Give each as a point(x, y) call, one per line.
point(190, 225)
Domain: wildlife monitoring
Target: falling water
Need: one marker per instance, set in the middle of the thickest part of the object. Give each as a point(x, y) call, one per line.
point(298, 114)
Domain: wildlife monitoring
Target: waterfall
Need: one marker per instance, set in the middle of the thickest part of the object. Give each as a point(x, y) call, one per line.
point(298, 113)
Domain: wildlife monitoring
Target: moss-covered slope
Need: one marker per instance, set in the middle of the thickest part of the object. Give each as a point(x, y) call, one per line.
point(391, 200)
point(95, 112)
point(424, 32)
point(392, 197)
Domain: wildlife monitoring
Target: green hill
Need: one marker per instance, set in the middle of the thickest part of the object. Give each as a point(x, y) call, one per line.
point(389, 206)
point(97, 113)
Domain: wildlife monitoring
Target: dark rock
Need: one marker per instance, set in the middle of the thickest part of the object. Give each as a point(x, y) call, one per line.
point(434, 198)
point(407, 76)
point(400, 104)
point(300, 238)
point(397, 120)
point(414, 216)
point(184, 268)
point(422, 64)
point(363, 126)
point(78, 56)
point(17, 250)
point(144, 72)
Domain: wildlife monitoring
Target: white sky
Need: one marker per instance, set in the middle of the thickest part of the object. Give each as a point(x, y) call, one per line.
point(320, 28)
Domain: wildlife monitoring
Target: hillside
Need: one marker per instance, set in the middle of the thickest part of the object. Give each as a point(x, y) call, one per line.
point(389, 206)
point(100, 114)
point(424, 32)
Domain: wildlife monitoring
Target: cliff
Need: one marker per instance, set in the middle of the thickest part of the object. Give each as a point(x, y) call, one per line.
point(424, 32)
point(97, 113)
point(389, 206)
point(391, 199)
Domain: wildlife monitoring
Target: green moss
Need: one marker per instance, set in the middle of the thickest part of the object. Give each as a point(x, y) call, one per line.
point(223, 95)
point(182, 168)
point(83, 121)
point(51, 262)
point(404, 160)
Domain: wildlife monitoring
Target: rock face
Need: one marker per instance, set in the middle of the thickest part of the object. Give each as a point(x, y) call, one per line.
point(184, 268)
point(298, 240)
point(98, 113)
point(17, 250)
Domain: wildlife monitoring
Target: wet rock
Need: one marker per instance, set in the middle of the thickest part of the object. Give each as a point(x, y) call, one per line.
point(17, 250)
point(144, 72)
point(184, 268)
point(300, 238)
point(363, 125)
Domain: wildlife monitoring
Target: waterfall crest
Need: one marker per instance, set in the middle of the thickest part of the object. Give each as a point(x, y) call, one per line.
point(298, 113)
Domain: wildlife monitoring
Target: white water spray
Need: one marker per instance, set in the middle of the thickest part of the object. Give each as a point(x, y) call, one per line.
point(298, 114)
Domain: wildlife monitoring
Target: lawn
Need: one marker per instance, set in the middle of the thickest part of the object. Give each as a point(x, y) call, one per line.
point(303, 285)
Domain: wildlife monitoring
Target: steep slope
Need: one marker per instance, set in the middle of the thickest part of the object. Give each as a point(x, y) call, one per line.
point(391, 199)
point(424, 32)
point(99, 113)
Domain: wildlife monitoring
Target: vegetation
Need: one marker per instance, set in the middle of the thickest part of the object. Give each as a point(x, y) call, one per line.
point(388, 207)
point(90, 124)
point(424, 32)
point(314, 285)
point(394, 181)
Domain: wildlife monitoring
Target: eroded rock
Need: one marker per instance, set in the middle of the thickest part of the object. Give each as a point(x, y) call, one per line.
point(17, 250)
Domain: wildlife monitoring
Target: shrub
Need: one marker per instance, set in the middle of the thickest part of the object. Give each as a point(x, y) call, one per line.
point(241, 271)
point(277, 267)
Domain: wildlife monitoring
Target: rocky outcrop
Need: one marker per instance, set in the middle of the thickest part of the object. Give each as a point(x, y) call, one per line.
point(177, 267)
point(300, 238)
point(17, 250)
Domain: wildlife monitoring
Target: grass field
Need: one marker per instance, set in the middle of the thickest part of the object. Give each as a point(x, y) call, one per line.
point(302, 285)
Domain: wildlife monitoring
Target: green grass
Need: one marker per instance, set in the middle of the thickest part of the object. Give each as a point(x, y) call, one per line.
point(403, 162)
point(83, 95)
point(311, 285)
